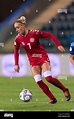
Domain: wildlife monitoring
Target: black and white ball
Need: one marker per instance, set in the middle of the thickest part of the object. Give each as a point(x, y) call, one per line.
point(25, 95)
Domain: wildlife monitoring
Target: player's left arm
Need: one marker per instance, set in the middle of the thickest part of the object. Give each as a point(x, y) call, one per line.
point(53, 38)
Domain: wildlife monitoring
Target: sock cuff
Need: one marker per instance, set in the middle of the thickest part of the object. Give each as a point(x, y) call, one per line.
point(47, 73)
point(37, 77)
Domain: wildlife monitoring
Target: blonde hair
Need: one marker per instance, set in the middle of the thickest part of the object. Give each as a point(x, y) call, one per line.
point(22, 20)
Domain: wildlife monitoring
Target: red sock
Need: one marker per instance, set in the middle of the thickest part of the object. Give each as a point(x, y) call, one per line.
point(55, 82)
point(45, 89)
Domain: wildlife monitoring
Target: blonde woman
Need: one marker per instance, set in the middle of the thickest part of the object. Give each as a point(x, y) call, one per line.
point(38, 57)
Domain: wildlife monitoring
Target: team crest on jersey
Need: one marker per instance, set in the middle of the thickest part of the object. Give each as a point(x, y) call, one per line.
point(31, 39)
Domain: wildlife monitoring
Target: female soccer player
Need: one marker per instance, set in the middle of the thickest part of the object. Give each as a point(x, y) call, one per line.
point(71, 51)
point(37, 55)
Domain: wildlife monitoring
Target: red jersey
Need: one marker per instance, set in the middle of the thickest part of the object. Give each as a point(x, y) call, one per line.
point(32, 46)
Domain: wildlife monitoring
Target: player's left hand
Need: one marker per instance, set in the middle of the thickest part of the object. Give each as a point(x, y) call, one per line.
point(61, 48)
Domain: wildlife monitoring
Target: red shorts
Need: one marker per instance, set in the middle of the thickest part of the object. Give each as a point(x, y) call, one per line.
point(39, 61)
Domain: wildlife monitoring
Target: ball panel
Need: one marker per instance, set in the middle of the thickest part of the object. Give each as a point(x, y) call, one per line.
point(25, 95)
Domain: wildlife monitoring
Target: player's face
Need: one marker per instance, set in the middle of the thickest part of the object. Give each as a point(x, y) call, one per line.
point(20, 28)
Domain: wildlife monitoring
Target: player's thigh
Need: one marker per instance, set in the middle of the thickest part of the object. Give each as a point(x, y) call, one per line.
point(46, 66)
point(36, 70)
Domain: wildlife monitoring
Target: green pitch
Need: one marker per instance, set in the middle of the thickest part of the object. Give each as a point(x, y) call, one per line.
point(11, 87)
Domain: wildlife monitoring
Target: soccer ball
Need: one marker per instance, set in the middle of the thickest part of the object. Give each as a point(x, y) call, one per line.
point(25, 95)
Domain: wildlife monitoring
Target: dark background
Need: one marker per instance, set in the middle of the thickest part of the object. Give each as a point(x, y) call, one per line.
point(8, 6)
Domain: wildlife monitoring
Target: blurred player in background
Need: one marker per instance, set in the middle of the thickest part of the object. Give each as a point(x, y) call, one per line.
point(71, 51)
point(38, 58)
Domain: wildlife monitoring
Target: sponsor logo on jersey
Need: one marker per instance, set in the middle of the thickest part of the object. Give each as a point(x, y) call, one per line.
point(37, 55)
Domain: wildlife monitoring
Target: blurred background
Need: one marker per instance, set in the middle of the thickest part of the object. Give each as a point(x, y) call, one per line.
point(55, 16)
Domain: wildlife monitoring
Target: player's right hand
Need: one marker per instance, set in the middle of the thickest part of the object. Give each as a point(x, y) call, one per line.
point(16, 68)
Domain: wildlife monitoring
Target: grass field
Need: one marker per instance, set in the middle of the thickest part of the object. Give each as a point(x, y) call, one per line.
point(11, 87)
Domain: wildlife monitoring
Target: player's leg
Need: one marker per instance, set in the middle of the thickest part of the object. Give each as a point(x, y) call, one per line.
point(48, 76)
point(36, 71)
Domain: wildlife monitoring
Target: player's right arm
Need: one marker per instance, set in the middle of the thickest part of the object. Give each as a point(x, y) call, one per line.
point(72, 58)
point(16, 56)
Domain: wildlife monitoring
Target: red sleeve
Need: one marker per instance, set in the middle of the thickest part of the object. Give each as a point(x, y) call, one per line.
point(16, 52)
point(49, 35)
